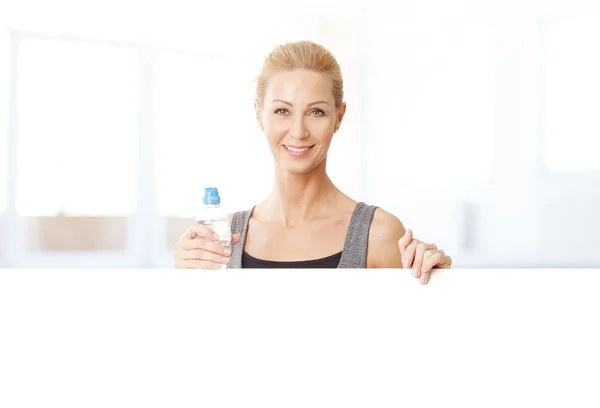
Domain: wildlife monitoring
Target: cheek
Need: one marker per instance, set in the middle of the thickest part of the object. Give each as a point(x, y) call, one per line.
point(274, 132)
point(275, 127)
point(322, 130)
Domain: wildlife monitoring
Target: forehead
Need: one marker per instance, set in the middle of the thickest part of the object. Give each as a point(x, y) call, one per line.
point(299, 85)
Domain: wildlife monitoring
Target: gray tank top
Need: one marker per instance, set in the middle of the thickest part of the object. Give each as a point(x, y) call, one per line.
point(354, 254)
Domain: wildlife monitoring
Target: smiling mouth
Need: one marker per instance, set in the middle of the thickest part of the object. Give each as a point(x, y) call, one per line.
point(296, 149)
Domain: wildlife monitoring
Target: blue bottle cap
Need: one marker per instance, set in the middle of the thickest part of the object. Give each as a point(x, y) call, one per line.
point(211, 196)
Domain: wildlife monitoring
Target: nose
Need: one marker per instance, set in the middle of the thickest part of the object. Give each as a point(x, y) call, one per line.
point(298, 130)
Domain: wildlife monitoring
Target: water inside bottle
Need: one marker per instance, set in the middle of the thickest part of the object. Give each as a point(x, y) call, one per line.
point(221, 228)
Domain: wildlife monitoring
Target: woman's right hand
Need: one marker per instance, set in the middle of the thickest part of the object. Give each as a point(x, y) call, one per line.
point(197, 249)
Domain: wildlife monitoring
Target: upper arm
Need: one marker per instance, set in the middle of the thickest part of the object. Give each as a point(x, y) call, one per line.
point(383, 251)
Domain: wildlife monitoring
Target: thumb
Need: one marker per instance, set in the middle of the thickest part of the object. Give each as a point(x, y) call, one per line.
point(405, 240)
point(235, 238)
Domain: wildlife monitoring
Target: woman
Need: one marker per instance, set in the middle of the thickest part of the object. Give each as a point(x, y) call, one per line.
point(306, 222)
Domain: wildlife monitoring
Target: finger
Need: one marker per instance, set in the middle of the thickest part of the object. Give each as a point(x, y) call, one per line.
point(196, 264)
point(204, 244)
point(409, 254)
point(447, 263)
point(198, 230)
point(235, 238)
point(444, 263)
point(432, 258)
point(418, 262)
point(405, 241)
point(424, 277)
point(201, 255)
point(438, 259)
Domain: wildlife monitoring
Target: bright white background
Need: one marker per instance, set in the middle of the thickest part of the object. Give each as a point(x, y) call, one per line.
point(304, 338)
point(475, 122)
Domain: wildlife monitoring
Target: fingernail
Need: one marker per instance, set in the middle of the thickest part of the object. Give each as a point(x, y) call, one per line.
point(225, 259)
point(424, 278)
point(215, 236)
point(227, 251)
point(415, 272)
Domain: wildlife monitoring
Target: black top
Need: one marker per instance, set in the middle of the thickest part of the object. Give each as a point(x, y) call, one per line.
point(331, 261)
point(354, 254)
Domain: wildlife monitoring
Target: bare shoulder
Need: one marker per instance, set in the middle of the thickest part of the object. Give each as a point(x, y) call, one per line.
point(386, 225)
point(386, 230)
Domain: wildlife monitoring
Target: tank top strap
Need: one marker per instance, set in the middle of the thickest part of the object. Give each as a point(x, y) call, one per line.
point(354, 254)
point(239, 225)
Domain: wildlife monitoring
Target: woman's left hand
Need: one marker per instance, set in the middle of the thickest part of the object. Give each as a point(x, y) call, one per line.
point(422, 257)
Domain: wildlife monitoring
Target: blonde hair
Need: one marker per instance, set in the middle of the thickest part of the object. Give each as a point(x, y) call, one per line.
point(300, 55)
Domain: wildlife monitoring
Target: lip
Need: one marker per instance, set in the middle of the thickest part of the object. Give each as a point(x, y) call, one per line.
point(300, 150)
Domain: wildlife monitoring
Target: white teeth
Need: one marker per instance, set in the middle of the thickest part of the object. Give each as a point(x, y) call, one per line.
point(296, 150)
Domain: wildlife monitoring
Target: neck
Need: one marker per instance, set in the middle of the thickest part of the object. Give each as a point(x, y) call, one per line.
point(297, 197)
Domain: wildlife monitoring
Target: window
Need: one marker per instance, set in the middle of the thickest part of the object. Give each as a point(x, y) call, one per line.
point(78, 123)
point(571, 95)
point(435, 112)
point(77, 129)
point(4, 98)
point(207, 134)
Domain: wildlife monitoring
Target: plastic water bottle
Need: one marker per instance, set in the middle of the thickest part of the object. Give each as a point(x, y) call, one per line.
point(214, 218)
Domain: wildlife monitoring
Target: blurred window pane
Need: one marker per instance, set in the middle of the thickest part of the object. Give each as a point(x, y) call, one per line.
point(207, 134)
point(4, 99)
point(77, 129)
point(438, 112)
point(58, 234)
point(572, 95)
point(3, 173)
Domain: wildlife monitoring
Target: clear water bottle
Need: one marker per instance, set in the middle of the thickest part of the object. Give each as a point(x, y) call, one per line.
point(214, 218)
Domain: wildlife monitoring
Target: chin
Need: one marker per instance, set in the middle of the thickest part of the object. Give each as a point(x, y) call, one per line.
point(296, 168)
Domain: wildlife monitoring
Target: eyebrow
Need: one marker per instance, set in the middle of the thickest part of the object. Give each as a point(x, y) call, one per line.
point(290, 104)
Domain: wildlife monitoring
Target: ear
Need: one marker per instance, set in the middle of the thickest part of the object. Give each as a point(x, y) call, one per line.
point(340, 116)
point(258, 113)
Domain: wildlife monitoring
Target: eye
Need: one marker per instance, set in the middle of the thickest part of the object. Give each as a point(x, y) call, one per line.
point(317, 112)
point(281, 111)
